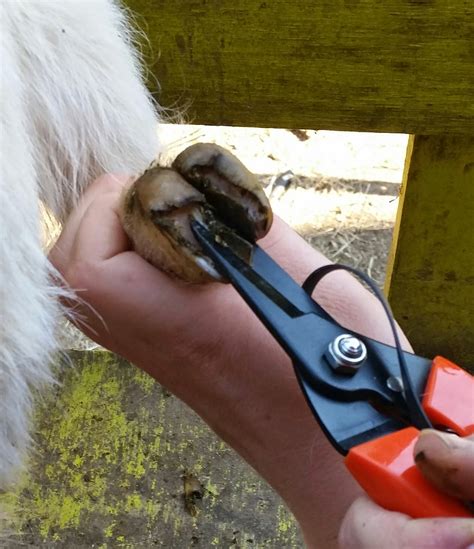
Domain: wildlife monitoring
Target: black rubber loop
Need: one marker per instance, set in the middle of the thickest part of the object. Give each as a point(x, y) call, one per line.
point(417, 415)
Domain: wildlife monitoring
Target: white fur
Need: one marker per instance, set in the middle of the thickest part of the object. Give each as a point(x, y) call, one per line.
point(73, 106)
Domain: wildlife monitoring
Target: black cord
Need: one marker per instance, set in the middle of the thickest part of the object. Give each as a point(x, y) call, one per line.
point(417, 415)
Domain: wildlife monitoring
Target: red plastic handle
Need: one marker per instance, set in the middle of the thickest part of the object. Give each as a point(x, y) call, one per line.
point(385, 467)
point(449, 397)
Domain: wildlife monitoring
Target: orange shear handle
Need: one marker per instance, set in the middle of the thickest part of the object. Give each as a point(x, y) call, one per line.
point(385, 467)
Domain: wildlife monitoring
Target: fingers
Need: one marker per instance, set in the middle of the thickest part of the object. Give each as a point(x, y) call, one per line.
point(105, 185)
point(113, 285)
point(447, 461)
point(91, 234)
point(101, 235)
point(368, 526)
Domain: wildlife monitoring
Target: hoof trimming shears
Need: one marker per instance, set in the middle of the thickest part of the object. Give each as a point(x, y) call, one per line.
point(369, 398)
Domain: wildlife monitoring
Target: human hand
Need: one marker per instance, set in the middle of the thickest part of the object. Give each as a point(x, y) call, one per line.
point(448, 462)
point(206, 346)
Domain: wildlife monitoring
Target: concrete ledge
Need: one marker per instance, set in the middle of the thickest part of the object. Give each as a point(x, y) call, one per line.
point(113, 447)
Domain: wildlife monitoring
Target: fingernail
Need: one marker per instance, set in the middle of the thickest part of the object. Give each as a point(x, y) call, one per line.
point(435, 443)
point(420, 457)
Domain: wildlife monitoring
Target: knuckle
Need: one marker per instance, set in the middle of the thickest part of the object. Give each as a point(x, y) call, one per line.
point(80, 274)
point(111, 182)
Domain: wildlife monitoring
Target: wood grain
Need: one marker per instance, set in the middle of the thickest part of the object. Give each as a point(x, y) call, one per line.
point(431, 276)
point(393, 66)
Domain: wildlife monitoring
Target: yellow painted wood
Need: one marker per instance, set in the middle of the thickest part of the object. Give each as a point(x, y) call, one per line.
point(367, 65)
point(112, 448)
point(432, 271)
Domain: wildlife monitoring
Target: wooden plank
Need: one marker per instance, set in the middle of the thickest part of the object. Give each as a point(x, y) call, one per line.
point(112, 448)
point(393, 66)
point(431, 276)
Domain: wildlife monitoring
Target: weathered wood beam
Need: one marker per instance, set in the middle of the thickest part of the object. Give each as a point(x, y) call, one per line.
point(431, 275)
point(394, 66)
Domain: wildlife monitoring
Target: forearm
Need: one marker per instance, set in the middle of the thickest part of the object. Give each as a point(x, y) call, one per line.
point(271, 426)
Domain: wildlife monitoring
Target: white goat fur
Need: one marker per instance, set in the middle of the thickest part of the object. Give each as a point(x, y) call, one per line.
point(73, 106)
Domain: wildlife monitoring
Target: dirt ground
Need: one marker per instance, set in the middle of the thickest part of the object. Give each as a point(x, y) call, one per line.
point(337, 189)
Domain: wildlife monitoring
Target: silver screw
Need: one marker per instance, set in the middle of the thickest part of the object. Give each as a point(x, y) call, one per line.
point(395, 384)
point(346, 354)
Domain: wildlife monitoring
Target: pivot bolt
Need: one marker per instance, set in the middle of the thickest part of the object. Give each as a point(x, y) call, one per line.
point(395, 384)
point(346, 354)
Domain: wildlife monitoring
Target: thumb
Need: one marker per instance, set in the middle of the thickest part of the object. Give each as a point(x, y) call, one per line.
point(447, 461)
point(368, 526)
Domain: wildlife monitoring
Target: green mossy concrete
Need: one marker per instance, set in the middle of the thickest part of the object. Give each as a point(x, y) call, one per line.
point(113, 447)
